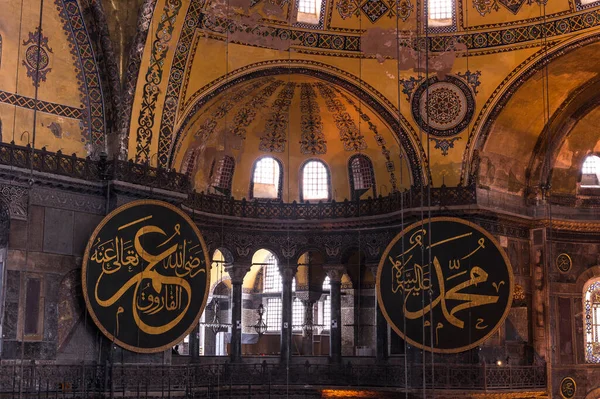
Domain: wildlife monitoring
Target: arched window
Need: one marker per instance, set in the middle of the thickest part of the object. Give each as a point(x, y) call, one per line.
point(315, 181)
point(222, 174)
point(189, 163)
point(266, 180)
point(309, 11)
point(362, 177)
point(439, 12)
point(326, 284)
point(591, 304)
point(590, 172)
point(272, 276)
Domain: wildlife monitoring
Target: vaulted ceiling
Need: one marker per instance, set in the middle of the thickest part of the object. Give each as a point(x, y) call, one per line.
point(492, 94)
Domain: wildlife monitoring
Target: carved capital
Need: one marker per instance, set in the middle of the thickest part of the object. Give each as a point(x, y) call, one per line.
point(15, 198)
point(288, 272)
point(373, 268)
point(237, 272)
point(335, 272)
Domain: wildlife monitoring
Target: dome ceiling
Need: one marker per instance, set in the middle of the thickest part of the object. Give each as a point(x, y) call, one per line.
point(293, 118)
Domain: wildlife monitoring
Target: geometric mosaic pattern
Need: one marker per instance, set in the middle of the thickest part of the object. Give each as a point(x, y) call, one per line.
point(245, 116)
point(349, 134)
point(374, 9)
point(276, 127)
point(36, 56)
point(379, 139)
point(42, 106)
point(473, 41)
point(443, 108)
point(312, 138)
point(176, 78)
point(87, 71)
point(153, 79)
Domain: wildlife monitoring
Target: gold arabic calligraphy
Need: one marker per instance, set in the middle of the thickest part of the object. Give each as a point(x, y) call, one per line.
point(153, 291)
point(413, 279)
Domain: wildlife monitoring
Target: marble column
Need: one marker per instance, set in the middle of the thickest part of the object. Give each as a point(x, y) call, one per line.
point(308, 332)
point(287, 276)
point(381, 327)
point(335, 336)
point(236, 273)
point(195, 344)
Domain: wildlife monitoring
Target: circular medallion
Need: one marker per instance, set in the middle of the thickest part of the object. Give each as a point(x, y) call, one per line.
point(31, 55)
point(444, 285)
point(564, 263)
point(568, 388)
point(443, 107)
point(145, 276)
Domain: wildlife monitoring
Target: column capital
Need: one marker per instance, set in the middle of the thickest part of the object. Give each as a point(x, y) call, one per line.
point(372, 266)
point(288, 272)
point(237, 272)
point(335, 272)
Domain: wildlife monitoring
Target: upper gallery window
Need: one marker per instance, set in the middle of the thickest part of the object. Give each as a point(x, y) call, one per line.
point(362, 177)
point(439, 12)
point(265, 181)
point(189, 163)
point(309, 11)
point(273, 314)
point(592, 321)
point(590, 171)
point(315, 181)
point(222, 174)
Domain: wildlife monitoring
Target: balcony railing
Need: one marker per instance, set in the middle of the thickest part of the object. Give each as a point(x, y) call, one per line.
point(131, 380)
point(143, 174)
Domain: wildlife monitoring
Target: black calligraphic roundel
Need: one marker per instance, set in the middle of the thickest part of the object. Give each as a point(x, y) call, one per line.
point(145, 276)
point(444, 285)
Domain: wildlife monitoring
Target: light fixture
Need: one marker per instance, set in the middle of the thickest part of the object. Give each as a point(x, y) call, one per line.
point(260, 327)
point(498, 362)
point(216, 325)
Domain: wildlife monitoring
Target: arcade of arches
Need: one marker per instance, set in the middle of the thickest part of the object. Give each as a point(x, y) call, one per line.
point(301, 137)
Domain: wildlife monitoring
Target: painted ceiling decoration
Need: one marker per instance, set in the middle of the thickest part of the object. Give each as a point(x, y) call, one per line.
point(443, 108)
point(37, 56)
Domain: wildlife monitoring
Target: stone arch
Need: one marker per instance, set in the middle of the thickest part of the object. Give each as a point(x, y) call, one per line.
point(371, 98)
point(490, 112)
point(593, 394)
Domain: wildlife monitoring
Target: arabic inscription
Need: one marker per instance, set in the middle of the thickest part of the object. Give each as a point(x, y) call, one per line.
point(145, 276)
point(445, 285)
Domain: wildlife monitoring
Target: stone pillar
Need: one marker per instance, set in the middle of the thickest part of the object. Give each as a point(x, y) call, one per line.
point(381, 327)
point(195, 344)
point(335, 344)
point(236, 273)
point(287, 276)
point(307, 334)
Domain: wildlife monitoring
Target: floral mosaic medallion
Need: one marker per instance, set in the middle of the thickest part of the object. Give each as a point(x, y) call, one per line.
point(443, 108)
point(37, 58)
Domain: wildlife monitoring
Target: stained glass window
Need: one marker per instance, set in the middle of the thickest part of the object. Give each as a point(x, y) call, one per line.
point(272, 276)
point(223, 175)
point(592, 322)
point(273, 314)
point(315, 181)
point(266, 178)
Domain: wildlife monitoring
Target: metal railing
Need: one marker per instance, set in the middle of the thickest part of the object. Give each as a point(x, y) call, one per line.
point(103, 169)
point(140, 380)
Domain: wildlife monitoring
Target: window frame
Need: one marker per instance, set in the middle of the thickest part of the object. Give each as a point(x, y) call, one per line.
point(592, 327)
point(216, 182)
point(440, 27)
point(310, 25)
point(327, 177)
point(597, 172)
point(354, 194)
point(280, 180)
